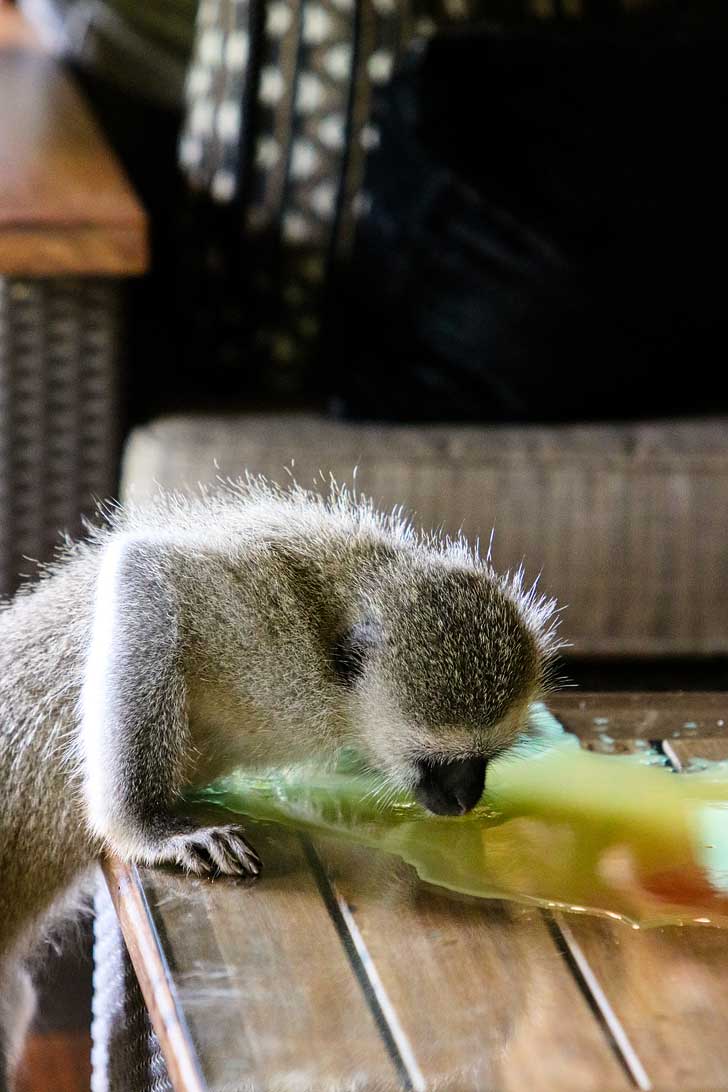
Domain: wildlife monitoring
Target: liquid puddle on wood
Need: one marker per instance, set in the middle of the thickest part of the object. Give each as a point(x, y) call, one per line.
point(620, 836)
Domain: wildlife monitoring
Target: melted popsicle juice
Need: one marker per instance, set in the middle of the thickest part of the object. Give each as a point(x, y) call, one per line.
point(619, 836)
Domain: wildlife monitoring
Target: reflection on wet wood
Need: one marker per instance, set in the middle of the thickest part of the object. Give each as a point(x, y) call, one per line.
point(635, 715)
point(661, 988)
point(265, 985)
point(478, 991)
point(669, 990)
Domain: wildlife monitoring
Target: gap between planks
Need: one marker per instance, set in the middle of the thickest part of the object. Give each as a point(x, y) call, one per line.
point(363, 966)
point(597, 1000)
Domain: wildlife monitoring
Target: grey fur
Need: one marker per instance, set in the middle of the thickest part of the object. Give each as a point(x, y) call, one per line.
point(247, 625)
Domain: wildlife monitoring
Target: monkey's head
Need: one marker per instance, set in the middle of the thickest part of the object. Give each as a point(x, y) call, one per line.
point(440, 669)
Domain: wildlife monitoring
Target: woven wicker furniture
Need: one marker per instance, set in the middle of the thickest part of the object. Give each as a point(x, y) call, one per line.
point(70, 232)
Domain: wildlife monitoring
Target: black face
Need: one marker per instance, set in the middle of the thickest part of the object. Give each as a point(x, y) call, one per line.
point(450, 788)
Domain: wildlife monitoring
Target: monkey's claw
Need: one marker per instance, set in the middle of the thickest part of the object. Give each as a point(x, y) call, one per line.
point(218, 851)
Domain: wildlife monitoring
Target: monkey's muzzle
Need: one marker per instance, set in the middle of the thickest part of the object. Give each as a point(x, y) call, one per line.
point(450, 788)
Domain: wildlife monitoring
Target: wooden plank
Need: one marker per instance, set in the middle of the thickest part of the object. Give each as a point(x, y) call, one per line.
point(65, 204)
point(262, 979)
point(640, 715)
point(667, 988)
point(476, 992)
point(145, 950)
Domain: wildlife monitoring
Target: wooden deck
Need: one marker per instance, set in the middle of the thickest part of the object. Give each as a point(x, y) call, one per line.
point(340, 970)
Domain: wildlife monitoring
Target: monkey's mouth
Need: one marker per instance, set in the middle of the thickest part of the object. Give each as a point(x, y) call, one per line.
point(450, 788)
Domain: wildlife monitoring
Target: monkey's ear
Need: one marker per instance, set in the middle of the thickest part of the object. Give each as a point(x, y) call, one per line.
point(352, 647)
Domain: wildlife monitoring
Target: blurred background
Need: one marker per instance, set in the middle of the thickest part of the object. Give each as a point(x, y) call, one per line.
point(474, 249)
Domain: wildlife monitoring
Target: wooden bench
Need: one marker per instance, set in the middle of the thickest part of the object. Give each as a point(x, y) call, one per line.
point(340, 970)
point(71, 230)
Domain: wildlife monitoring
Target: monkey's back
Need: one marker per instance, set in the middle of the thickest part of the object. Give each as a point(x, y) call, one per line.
point(44, 841)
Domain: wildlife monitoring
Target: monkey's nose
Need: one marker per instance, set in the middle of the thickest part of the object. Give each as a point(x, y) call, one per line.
point(450, 788)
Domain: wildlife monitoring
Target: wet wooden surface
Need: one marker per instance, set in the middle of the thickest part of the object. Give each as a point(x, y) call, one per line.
point(65, 204)
point(341, 970)
point(475, 991)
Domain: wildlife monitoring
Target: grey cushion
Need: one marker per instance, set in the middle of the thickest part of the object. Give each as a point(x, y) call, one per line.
point(628, 522)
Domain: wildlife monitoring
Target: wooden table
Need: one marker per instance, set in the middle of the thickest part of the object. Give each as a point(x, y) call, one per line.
point(339, 970)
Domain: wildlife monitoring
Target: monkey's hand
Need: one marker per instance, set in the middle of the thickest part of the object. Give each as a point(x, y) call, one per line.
point(214, 851)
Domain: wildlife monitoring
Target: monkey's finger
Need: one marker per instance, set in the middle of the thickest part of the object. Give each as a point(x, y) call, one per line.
point(232, 854)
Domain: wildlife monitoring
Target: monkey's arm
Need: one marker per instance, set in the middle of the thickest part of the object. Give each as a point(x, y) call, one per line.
point(135, 742)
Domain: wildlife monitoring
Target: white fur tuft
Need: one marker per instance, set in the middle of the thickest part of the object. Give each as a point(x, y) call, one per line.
point(98, 774)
